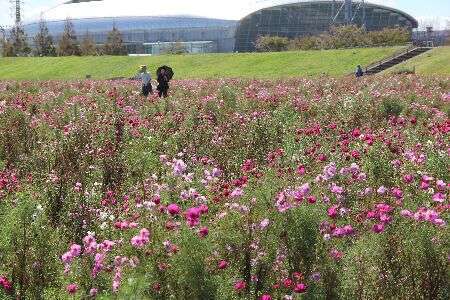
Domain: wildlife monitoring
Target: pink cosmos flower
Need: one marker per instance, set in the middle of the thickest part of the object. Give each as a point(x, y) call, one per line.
point(265, 297)
point(93, 292)
point(193, 216)
point(378, 228)
point(440, 184)
point(439, 197)
point(203, 232)
point(223, 264)
point(382, 190)
point(236, 193)
point(332, 211)
point(424, 185)
point(329, 171)
point(178, 167)
point(264, 223)
point(406, 213)
point(439, 222)
point(336, 254)
point(282, 202)
point(75, 250)
point(408, 178)
point(397, 193)
point(142, 239)
point(72, 288)
point(335, 189)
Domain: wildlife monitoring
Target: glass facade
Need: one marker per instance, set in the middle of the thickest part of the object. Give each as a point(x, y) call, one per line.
point(136, 31)
point(188, 47)
point(314, 17)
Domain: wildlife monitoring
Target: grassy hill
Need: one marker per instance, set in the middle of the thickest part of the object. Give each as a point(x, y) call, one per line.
point(436, 61)
point(261, 65)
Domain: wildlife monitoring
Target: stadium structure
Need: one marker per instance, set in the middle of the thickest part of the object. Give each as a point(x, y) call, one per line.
point(152, 34)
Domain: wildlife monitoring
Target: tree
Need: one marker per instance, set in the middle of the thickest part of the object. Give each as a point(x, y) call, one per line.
point(68, 43)
point(87, 46)
point(271, 44)
point(16, 44)
point(43, 41)
point(7, 48)
point(114, 43)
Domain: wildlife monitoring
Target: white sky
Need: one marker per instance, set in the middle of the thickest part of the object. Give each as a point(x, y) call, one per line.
point(223, 9)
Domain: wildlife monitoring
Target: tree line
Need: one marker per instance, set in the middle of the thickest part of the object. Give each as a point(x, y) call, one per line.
point(348, 36)
point(15, 44)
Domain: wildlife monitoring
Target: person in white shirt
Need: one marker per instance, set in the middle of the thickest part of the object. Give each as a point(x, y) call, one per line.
point(146, 79)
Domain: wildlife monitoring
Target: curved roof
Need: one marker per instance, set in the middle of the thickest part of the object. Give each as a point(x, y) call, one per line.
point(131, 23)
point(284, 3)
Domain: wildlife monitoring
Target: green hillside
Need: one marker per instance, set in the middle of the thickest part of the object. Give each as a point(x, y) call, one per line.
point(435, 61)
point(261, 65)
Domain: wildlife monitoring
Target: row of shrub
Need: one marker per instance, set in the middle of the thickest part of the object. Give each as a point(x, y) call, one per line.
point(348, 36)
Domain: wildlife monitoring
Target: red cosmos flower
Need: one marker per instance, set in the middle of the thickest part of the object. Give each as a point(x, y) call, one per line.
point(156, 286)
point(355, 154)
point(287, 283)
point(312, 199)
point(322, 157)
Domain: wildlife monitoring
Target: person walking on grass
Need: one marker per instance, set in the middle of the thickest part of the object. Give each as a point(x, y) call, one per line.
point(163, 83)
point(146, 79)
point(359, 71)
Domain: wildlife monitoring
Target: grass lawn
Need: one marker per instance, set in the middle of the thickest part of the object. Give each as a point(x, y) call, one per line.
point(434, 62)
point(259, 65)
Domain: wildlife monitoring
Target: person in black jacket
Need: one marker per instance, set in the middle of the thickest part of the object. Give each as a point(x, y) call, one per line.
point(163, 84)
point(359, 71)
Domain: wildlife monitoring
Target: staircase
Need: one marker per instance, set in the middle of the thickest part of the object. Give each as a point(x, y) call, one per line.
point(395, 59)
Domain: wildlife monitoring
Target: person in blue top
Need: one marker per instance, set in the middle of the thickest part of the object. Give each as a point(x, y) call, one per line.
point(359, 71)
point(146, 79)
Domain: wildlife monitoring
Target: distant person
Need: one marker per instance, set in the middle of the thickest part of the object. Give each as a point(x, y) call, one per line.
point(359, 71)
point(163, 83)
point(146, 79)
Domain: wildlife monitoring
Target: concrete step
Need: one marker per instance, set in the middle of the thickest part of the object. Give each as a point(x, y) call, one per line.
point(396, 60)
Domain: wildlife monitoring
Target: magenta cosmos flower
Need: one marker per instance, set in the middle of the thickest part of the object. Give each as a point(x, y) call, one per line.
point(173, 209)
point(300, 288)
point(239, 285)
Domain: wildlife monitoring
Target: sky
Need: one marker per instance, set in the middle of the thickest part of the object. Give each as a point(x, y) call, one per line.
point(428, 12)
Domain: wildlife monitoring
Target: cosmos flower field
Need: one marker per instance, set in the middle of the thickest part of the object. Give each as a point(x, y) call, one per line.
point(314, 188)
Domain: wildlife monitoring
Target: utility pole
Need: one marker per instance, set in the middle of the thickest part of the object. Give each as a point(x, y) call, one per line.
point(16, 10)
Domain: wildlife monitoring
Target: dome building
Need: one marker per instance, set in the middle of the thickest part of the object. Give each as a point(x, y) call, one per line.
point(223, 26)
point(306, 18)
